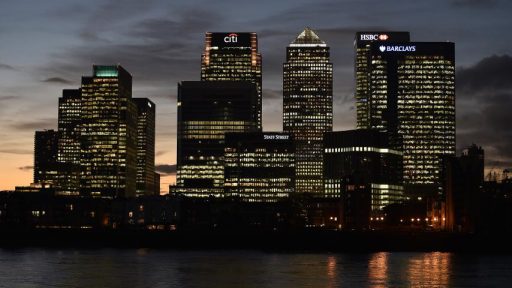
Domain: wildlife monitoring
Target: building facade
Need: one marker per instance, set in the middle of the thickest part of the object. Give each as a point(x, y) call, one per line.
point(362, 64)
point(412, 88)
point(207, 110)
point(259, 167)
point(108, 134)
point(362, 170)
point(233, 57)
point(145, 147)
point(307, 106)
point(45, 157)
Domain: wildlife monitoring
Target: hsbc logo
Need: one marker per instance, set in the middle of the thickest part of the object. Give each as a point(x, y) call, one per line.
point(231, 38)
point(373, 37)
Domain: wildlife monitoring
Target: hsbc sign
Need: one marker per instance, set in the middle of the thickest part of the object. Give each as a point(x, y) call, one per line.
point(373, 37)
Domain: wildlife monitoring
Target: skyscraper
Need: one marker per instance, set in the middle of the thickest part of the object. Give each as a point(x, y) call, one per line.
point(362, 65)
point(45, 156)
point(108, 134)
point(307, 105)
point(145, 147)
point(206, 111)
point(412, 98)
point(233, 57)
point(69, 150)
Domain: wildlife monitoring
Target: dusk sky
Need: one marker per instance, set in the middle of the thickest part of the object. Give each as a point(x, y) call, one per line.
point(46, 46)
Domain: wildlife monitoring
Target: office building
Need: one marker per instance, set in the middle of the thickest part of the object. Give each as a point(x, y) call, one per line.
point(412, 88)
point(69, 150)
point(259, 167)
point(207, 110)
point(45, 157)
point(233, 57)
point(362, 169)
point(108, 134)
point(307, 106)
point(145, 184)
point(362, 66)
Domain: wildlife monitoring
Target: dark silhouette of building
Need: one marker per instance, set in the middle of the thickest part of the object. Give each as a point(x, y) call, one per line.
point(463, 185)
point(145, 147)
point(259, 167)
point(412, 98)
point(362, 170)
point(45, 156)
point(362, 67)
point(232, 56)
point(307, 106)
point(108, 134)
point(206, 111)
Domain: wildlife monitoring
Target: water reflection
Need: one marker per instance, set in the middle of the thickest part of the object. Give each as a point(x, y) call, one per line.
point(157, 268)
point(429, 269)
point(378, 270)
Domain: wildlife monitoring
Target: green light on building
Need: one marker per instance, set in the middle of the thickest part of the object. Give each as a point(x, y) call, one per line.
point(105, 71)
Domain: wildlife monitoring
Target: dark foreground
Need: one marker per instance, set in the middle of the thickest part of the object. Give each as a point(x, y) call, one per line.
point(293, 241)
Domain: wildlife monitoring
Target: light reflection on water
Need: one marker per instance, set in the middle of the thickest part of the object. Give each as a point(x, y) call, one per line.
point(168, 268)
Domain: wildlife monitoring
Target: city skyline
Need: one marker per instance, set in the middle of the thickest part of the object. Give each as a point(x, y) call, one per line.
point(33, 78)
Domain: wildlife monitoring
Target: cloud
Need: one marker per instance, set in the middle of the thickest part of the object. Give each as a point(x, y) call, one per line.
point(8, 98)
point(4, 66)
point(166, 169)
point(16, 151)
point(484, 98)
point(45, 123)
point(57, 80)
point(473, 3)
point(26, 168)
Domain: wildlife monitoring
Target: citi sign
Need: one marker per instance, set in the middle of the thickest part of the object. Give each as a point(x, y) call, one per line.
point(383, 48)
point(231, 38)
point(373, 37)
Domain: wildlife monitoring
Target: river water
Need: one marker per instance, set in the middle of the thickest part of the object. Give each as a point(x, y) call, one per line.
point(170, 268)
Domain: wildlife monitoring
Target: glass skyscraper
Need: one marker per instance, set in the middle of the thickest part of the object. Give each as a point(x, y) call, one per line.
point(362, 66)
point(233, 57)
point(207, 110)
point(108, 134)
point(412, 98)
point(307, 106)
point(145, 147)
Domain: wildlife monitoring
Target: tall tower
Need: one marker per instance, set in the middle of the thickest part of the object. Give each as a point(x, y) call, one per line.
point(69, 151)
point(45, 156)
point(362, 66)
point(145, 147)
point(108, 133)
point(412, 88)
point(307, 106)
point(233, 57)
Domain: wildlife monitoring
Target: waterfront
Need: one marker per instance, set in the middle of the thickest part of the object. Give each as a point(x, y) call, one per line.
point(37, 267)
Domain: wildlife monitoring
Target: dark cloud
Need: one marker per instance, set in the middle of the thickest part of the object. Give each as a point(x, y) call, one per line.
point(161, 153)
point(484, 98)
point(57, 80)
point(7, 98)
point(26, 168)
point(473, 3)
point(4, 66)
point(166, 169)
point(272, 94)
point(45, 123)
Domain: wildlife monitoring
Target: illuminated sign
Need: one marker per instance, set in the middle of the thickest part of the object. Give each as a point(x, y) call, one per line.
point(231, 40)
point(276, 137)
point(373, 37)
point(397, 48)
